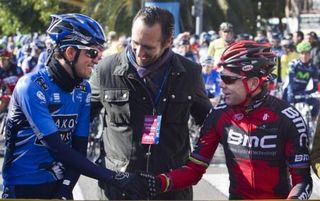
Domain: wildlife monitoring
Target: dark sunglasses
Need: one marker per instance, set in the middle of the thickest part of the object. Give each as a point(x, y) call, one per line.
point(229, 79)
point(90, 52)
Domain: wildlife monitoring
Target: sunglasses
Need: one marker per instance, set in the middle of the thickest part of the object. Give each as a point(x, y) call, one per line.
point(229, 79)
point(90, 52)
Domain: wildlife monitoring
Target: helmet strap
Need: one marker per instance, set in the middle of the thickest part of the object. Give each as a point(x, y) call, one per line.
point(72, 64)
point(250, 92)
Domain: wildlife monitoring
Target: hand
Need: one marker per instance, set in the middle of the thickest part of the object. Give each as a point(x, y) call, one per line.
point(132, 184)
point(56, 168)
point(154, 184)
point(64, 192)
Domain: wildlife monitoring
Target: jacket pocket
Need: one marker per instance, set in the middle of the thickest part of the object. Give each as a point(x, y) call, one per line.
point(116, 102)
point(178, 108)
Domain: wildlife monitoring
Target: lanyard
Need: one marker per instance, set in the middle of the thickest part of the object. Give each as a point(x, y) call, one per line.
point(158, 95)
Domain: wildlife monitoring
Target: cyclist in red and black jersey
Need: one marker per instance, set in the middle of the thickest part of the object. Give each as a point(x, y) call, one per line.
point(9, 75)
point(265, 139)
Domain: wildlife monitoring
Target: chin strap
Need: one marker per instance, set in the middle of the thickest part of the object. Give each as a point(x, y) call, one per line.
point(72, 64)
point(249, 93)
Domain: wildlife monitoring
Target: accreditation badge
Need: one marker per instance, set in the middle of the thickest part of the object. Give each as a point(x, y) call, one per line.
point(151, 129)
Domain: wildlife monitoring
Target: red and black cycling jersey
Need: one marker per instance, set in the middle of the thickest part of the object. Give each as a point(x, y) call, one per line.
point(264, 147)
point(8, 80)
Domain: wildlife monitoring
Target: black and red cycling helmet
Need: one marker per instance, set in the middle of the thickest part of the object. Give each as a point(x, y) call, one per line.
point(249, 58)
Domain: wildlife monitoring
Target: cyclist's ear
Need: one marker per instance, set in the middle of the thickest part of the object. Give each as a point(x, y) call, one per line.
point(253, 82)
point(70, 53)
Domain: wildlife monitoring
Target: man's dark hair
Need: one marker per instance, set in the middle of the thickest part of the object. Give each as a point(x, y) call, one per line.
point(300, 34)
point(153, 15)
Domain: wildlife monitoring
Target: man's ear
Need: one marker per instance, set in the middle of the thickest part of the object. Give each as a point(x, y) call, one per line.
point(168, 42)
point(69, 53)
point(255, 81)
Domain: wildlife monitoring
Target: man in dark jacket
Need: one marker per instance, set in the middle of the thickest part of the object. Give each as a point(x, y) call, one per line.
point(148, 93)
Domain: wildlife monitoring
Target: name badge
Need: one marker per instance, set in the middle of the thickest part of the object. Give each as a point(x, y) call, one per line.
point(151, 129)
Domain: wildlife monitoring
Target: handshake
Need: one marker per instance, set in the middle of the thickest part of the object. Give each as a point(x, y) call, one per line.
point(140, 185)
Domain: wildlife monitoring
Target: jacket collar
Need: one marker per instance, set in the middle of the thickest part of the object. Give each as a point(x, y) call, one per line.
point(123, 67)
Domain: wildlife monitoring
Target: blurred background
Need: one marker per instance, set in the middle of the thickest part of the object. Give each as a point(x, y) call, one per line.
point(194, 16)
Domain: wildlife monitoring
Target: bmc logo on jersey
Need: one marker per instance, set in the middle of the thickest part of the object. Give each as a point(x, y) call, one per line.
point(265, 142)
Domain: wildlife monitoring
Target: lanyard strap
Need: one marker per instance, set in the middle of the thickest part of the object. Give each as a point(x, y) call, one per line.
point(158, 95)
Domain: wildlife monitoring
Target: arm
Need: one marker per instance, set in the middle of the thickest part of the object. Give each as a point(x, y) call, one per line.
point(315, 80)
point(79, 163)
point(297, 156)
point(71, 176)
point(191, 173)
point(315, 152)
point(71, 158)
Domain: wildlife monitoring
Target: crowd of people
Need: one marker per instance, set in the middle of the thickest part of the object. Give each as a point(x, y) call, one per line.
point(148, 86)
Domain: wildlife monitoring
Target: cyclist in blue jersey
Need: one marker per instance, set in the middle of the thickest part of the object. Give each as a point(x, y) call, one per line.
point(48, 118)
point(301, 71)
point(211, 78)
point(29, 64)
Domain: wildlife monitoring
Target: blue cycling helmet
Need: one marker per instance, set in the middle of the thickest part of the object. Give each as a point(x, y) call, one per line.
point(37, 44)
point(75, 29)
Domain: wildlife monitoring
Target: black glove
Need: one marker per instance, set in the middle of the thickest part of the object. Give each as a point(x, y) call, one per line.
point(134, 185)
point(153, 182)
point(64, 192)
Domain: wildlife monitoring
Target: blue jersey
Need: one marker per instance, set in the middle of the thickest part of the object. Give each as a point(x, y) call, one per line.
point(299, 76)
point(38, 108)
point(211, 82)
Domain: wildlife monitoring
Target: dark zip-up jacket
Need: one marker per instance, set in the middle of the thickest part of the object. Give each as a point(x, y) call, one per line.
point(117, 88)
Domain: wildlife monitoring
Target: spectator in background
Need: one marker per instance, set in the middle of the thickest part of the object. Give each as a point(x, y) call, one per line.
point(260, 37)
point(275, 44)
point(211, 78)
point(24, 52)
point(297, 37)
point(301, 71)
point(243, 36)
point(313, 39)
point(9, 75)
point(217, 46)
point(289, 54)
point(277, 49)
point(184, 48)
point(45, 53)
point(29, 63)
point(195, 46)
point(113, 45)
point(204, 41)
